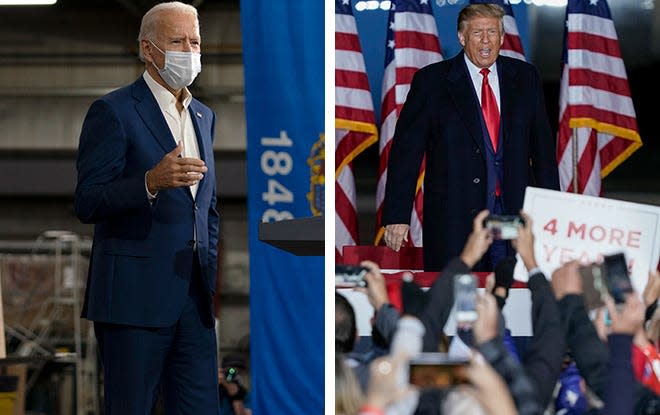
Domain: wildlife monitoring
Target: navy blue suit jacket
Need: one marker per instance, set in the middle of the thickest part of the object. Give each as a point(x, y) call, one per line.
point(442, 120)
point(142, 254)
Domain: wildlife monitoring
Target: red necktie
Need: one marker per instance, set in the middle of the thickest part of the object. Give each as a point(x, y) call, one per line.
point(489, 109)
point(491, 115)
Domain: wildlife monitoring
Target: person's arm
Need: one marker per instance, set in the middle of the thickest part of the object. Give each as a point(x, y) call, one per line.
point(441, 300)
point(236, 394)
point(492, 348)
point(620, 388)
point(239, 407)
point(651, 294)
point(385, 385)
point(589, 352)
point(213, 224)
point(104, 188)
point(387, 316)
point(494, 394)
point(102, 191)
point(406, 153)
point(441, 294)
point(544, 357)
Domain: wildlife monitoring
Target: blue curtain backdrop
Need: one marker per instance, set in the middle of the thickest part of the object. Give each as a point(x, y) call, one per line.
point(283, 54)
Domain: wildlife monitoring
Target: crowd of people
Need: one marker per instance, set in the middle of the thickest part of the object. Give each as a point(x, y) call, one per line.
point(578, 361)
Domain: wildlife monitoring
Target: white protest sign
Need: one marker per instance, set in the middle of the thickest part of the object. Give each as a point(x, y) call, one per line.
point(570, 226)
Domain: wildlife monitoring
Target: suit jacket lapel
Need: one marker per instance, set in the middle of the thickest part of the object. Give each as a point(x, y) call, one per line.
point(197, 117)
point(462, 92)
point(507, 76)
point(148, 109)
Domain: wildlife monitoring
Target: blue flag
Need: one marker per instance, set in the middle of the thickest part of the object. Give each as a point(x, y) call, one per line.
point(283, 45)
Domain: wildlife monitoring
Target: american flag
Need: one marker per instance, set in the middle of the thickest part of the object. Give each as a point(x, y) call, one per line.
point(412, 43)
point(512, 45)
point(594, 99)
point(355, 125)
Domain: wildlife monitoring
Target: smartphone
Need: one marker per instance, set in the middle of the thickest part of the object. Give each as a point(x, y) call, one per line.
point(465, 300)
point(437, 370)
point(616, 270)
point(594, 285)
point(504, 226)
point(230, 374)
point(348, 276)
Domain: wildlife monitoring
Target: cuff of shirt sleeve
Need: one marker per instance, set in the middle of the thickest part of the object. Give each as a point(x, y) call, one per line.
point(536, 280)
point(492, 350)
point(534, 271)
point(150, 196)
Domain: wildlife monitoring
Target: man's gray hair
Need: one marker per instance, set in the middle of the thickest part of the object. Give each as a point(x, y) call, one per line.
point(152, 18)
point(480, 10)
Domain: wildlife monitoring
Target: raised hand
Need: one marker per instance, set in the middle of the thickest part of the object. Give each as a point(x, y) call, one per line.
point(174, 171)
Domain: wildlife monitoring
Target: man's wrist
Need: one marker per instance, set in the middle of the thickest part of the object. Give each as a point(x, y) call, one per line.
point(380, 303)
point(150, 195)
point(533, 270)
point(467, 260)
point(530, 264)
point(239, 395)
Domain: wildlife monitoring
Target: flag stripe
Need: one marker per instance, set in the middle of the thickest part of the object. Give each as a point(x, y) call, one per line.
point(512, 44)
point(415, 40)
point(349, 60)
point(596, 108)
point(349, 146)
point(601, 100)
point(351, 79)
point(590, 24)
point(587, 77)
point(345, 23)
point(415, 58)
point(593, 43)
point(412, 43)
point(510, 27)
point(345, 221)
point(406, 22)
point(354, 117)
point(355, 127)
point(353, 98)
point(347, 41)
point(597, 62)
point(512, 54)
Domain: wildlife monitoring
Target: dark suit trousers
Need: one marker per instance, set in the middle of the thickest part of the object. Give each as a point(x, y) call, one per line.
point(181, 358)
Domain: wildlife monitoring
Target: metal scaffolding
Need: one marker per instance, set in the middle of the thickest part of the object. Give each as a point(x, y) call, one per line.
point(43, 286)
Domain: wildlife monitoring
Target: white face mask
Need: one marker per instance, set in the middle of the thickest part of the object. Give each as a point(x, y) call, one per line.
point(181, 68)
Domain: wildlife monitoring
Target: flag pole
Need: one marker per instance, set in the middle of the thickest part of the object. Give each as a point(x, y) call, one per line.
point(575, 160)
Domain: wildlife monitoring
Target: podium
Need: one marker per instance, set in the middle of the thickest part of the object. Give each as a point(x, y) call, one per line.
point(300, 236)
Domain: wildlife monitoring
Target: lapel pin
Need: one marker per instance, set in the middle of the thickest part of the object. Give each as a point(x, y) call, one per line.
point(199, 115)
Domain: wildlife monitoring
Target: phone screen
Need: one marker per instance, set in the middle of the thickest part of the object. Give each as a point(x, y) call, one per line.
point(347, 276)
point(437, 372)
point(617, 275)
point(465, 299)
point(502, 226)
point(595, 288)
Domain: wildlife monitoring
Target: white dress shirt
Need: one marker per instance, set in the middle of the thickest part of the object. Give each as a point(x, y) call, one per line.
point(478, 78)
point(180, 123)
